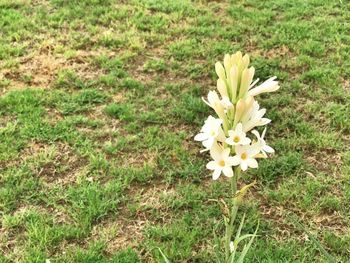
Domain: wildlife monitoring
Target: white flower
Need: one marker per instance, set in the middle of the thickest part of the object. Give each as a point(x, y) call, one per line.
point(226, 103)
point(264, 148)
point(253, 117)
point(210, 132)
point(238, 136)
point(269, 85)
point(222, 163)
point(245, 156)
point(215, 103)
point(232, 247)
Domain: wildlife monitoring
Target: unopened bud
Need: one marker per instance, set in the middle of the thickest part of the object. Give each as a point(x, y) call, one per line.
point(220, 71)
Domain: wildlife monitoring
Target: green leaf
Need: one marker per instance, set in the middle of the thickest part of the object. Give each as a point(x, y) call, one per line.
point(246, 247)
point(166, 260)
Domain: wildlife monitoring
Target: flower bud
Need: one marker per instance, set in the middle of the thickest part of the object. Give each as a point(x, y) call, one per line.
point(245, 61)
point(238, 197)
point(247, 77)
point(215, 103)
point(227, 63)
point(240, 107)
point(221, 86)
point(249, 102)
point(220, 71)
point(233, 81)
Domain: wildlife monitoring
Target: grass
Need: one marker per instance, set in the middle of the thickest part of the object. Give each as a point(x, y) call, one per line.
point(99, 104)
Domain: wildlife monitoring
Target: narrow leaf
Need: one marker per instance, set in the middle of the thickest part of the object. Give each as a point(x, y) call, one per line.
point(246, 247)
point(166, 260)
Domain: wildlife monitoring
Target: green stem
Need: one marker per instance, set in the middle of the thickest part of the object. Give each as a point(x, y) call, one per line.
point(234, 209)
point(233, 185)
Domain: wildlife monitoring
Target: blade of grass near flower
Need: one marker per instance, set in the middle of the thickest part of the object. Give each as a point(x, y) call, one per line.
point(247, 246)
point(330, 258)
point(166, 260)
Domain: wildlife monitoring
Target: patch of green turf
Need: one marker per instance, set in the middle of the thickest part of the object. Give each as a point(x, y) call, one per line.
point(117, 111)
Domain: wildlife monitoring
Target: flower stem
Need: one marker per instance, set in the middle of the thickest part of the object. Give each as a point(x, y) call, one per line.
point(233, 213)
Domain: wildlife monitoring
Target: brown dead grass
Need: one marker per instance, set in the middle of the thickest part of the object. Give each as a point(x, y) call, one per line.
point(58, 164)
point(280, 218)
point(43, 64)
point(329, 163)
point(346, 84)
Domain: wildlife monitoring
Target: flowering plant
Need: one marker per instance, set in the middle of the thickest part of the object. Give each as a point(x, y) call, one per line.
point(229, 138)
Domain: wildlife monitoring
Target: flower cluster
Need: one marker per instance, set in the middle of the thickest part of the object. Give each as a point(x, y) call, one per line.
point(227, 137)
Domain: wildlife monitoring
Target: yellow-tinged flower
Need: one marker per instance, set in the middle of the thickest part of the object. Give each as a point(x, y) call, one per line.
point(237, 136)
point(269, 85)
point(238, 113)
point(215, 103)
point(210, 133)
point(264, 148)
point(222, 162)
point(253, 117)
point(245, 156)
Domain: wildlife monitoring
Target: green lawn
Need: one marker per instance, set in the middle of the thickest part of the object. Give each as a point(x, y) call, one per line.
point(99, 104)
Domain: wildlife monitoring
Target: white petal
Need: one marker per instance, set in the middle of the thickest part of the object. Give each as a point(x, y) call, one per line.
point(215, 152)
point(213, 97)
point(211, 165)
point(208, 143)
point(226, 103)
point(229, 141)
point(216, 174)
point(227, 171)
point(256, 133)
point(260, 113)
point(239, 149)
point(225, 153)
point(253, 84)
point(206, 102)
point(239, 128)
point(264, 121)
point(254, 149)
point(211, 119)
point(232, 161)
point(245, 141)
point(200, 137)
point(252, 163)
point(268, 149)
point(269, 85)
point(244, 166)
point(221, 136)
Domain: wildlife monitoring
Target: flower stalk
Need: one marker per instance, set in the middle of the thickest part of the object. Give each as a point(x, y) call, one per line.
point(234, 208)
point(229, 139)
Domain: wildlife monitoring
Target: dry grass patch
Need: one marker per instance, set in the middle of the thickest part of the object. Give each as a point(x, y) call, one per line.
point(57, 164)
